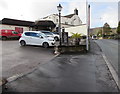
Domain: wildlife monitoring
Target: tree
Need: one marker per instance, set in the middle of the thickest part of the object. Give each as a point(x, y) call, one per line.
point(106, 29)
point(118, 28)
point(77, 37)
point(99, 34)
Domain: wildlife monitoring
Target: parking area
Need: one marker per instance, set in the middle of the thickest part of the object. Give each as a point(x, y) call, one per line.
point(17, 59)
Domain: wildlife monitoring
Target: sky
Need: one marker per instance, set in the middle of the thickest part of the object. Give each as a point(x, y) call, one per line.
point(101, 11)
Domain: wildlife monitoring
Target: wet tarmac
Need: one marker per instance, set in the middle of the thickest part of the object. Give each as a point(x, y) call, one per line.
point(68, 73)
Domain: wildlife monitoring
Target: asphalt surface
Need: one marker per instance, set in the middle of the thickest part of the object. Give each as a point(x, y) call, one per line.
point(68, 73)
point(16, 59)
point(110, 49)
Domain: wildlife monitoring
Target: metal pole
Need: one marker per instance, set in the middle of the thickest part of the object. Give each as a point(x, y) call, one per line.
point(102, 33)
point(88, 21)
point(60, 27)
point(87, 25)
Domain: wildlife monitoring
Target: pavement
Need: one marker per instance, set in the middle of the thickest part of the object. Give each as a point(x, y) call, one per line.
point(68, 73)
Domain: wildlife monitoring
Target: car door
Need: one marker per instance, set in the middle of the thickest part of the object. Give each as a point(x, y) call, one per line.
point(36, 38)
point(14, 34)
point(27, 37)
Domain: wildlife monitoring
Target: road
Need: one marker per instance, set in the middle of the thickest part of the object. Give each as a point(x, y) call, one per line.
point(16, 59)
point(68, 73)
point(110, 49)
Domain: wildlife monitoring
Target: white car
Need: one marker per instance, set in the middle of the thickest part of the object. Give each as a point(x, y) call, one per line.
point(51, 34)
point(94, 37)
point(36, 38)
point(56, 35)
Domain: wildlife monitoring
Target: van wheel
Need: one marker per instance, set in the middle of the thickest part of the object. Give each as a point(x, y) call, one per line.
point(22, 43)
point(45, 45)
point(4, 38)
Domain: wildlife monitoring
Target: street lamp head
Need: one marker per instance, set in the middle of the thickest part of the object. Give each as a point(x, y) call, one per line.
point(59, 8)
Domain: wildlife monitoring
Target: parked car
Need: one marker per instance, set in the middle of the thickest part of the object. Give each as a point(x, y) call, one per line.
point(5, 34)
point(94, 37)
point(36, 38)
point(56, 35)
point(51, 34)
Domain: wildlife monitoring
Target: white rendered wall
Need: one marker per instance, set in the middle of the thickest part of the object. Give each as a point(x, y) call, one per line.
point(77, 29)
point(75, 20)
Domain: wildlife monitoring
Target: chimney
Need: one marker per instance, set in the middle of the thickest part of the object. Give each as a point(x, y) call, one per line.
point(76, 11)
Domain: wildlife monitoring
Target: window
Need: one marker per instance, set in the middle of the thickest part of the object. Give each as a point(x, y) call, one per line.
point(19, 29)
point(14, 32)
point(56, 20)
point(47, 33)
point(27, 33)
point(66, 22)
point(6, 31)
point(34, 34)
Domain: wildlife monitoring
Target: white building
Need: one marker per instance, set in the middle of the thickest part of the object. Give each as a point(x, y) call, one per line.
point(66, 21)
point(81, 29)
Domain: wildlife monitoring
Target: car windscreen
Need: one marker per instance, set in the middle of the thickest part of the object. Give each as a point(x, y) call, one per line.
point(55, 33)
point(47, 33)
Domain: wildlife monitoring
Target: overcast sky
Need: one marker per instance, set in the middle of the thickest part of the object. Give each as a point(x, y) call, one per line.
point(101, 10)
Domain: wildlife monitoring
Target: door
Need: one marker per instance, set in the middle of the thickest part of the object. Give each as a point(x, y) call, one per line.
point(36, 38)
point(27, 37)
point(14, 34)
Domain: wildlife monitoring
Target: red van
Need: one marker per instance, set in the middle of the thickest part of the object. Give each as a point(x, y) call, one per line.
point(5, 34)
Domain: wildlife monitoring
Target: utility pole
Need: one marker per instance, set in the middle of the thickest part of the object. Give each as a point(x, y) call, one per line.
point(88, 25)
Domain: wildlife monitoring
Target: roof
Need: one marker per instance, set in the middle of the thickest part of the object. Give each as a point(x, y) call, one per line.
point(46, 23)
point(50, 15)
point(69, 16)
point(9, 21)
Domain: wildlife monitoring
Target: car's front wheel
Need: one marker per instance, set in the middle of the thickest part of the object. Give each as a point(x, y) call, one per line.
point(45, 45)
point(22, 43)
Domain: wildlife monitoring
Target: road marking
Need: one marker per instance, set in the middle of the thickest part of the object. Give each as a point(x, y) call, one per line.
point(113, 72)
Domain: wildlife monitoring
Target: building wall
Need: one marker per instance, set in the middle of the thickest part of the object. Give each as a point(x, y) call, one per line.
point(12, 27)
point(77, 29)
point(75, 20)
point(114, 30)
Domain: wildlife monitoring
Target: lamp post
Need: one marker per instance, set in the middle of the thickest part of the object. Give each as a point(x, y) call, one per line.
point(59, 7)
